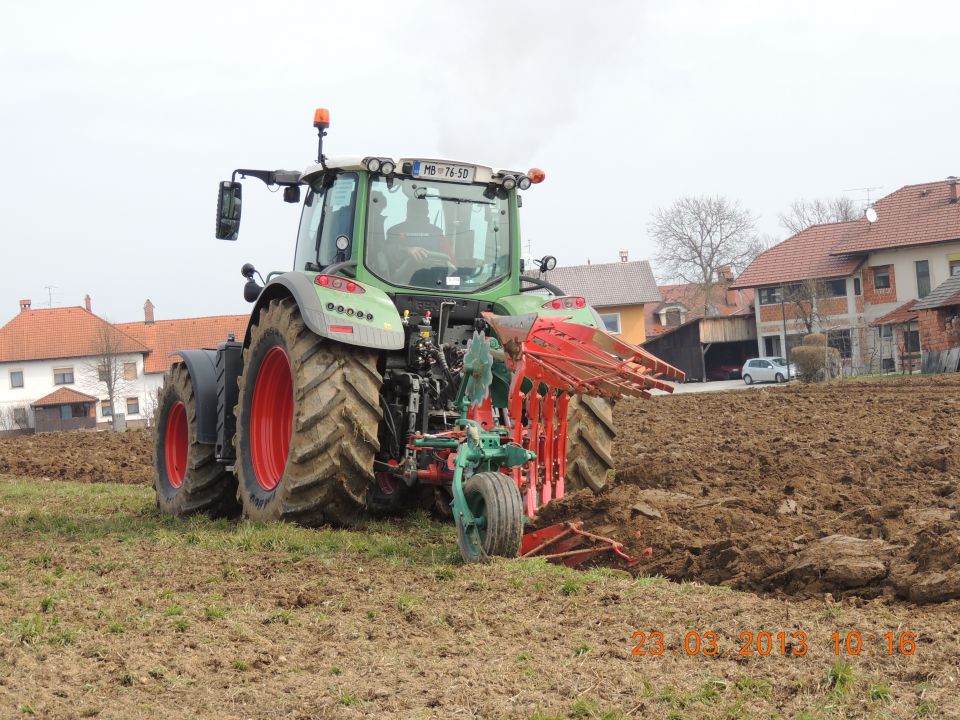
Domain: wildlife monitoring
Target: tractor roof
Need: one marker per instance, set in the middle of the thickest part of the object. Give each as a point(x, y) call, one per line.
point(483, 174)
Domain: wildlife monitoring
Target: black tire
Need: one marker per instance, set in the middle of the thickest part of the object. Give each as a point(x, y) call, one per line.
point(590, 436)
point(748, 380)
point(495, 497)
point(335, 417)
point(205, 486)
point(779, 378)
point(388, 495)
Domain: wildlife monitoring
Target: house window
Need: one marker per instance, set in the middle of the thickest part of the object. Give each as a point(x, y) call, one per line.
point(63, 376)
point(840, 339)
point(16, 378)
point(673, 317)
point(881, 277)
point(954, 268)
point(771, 346)
point(769, 296)
point(611, 321)
point(20, 417)
point(912, 341)
point(923, 278)
point(886, 331)
point(133, 406)
point(66, 412)
point(835, 288)
point(103, 373)
point(857, 290)
point(106, 408)
point(130, 371)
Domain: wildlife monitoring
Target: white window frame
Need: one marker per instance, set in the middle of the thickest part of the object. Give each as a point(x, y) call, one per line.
point(137, 401)
point(604, 316)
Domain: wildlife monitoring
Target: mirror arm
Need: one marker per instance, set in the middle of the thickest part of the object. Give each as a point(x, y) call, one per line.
point(269, 177)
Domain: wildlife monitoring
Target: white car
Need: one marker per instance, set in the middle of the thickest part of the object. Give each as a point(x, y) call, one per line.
point(767, 369)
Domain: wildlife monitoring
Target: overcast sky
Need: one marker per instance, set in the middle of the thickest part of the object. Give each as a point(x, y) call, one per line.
point(118, 119)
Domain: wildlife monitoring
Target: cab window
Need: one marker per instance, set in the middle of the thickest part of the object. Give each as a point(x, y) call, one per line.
point(328, 213)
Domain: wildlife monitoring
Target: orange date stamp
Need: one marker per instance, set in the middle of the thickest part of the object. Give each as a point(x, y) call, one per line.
point(787, 643)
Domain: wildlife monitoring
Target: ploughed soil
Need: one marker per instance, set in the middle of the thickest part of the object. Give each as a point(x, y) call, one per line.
point(835, 507)
point(849, 488)
point(88, 456)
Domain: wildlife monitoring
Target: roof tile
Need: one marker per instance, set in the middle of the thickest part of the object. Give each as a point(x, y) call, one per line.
point(691, 297)
point(63, 396)
point(803, 256)
point(51, 333)
point(608, 284)
point(166, 336)
point(945, 294)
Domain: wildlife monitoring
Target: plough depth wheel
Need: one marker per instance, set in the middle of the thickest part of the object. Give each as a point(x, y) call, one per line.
point(495, 502)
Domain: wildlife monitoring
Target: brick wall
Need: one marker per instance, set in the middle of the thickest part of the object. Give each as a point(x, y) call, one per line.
point(772, 313)
point(874, 296)
point(935, 333)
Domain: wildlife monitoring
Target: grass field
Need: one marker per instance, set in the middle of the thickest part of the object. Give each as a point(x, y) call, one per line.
point(108, 610)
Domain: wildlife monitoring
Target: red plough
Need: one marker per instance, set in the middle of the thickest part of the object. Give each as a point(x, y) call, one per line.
point(554, 359)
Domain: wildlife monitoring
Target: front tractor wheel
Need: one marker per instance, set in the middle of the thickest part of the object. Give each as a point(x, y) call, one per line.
point(307, 419)
point(590, 436)
point(187, 478)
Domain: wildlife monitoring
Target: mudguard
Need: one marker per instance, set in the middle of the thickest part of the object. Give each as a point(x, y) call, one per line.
point(529, 303)
point(202, 367)
point(383, 332)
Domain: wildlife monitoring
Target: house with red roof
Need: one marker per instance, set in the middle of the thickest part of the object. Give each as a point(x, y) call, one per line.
point(684, 302)
point(52, 374)
point(862, 282)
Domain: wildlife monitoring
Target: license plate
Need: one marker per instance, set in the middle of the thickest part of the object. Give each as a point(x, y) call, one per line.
point(443, 171)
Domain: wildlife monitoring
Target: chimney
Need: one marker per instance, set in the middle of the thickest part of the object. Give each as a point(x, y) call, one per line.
point(953, 188)
point(24, 305)
point(623, 256)
point(148, 312)
point(86, 303)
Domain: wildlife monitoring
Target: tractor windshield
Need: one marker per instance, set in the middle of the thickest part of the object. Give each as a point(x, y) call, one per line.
point(436, 236)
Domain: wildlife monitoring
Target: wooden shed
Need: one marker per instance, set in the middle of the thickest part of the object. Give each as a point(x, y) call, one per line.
point(708, 348)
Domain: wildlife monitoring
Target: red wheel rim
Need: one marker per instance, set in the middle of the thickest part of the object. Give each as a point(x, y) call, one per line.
point(271, 418)
point(175, 444)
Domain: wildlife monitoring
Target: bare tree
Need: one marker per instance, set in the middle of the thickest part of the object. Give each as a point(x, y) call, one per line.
point(107, 363)
point(804, 213)
point(699, 235)
point(14, 417)
point(802, 298)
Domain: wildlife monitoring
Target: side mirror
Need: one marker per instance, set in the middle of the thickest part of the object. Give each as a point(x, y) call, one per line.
point(291, 194)
point(228, 210)
point(251, 290)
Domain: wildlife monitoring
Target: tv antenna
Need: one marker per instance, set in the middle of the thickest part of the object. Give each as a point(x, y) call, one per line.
point(50, 289)
point(866, 190)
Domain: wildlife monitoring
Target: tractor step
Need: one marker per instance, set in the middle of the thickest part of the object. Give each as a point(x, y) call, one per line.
point(569, 544)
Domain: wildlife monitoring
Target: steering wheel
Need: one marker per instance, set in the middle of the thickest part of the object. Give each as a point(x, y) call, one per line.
point(409, 264)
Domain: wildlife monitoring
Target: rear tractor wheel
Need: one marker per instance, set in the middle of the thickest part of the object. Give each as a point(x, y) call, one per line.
point(187, 478)
point(307, 419)
point(494, 500)
point(590, 435)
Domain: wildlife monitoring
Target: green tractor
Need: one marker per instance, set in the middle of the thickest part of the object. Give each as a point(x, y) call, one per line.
point(405, 361)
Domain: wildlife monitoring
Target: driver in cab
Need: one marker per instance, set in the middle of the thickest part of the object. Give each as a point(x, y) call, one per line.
point(416, 237)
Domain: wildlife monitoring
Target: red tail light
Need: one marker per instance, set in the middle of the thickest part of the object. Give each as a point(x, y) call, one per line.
point(335, 282)
point(568, 302)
